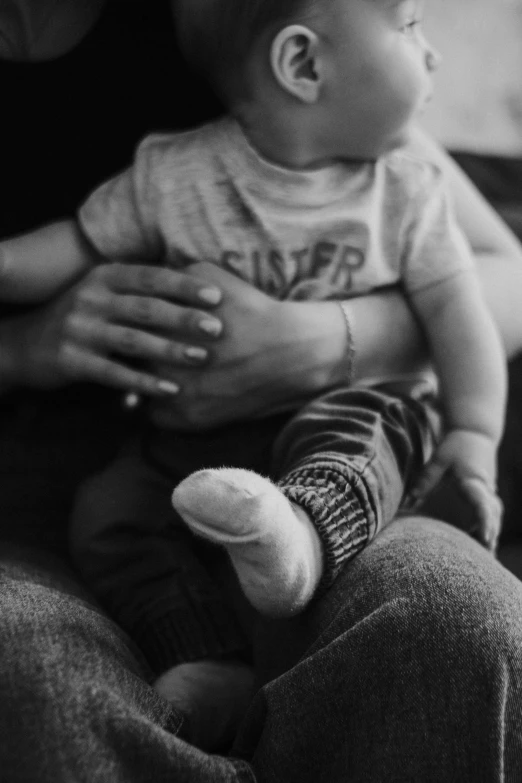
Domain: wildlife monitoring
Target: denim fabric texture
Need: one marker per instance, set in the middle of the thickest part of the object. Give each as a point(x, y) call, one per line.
point(408, 669)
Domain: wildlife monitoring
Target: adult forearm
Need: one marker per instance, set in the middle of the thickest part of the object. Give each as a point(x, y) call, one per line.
point(387, 337)
point(28, 352)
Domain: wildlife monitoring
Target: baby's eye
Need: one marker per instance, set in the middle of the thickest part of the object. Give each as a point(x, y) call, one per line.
point(411, 28)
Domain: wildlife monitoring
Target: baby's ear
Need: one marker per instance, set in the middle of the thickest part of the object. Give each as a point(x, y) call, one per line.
point(295, 63)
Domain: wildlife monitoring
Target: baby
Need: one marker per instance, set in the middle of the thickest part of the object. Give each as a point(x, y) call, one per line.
point(306, 189)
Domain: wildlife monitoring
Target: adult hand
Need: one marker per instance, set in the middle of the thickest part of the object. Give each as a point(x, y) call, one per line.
point(116, 314)
point(271, 356)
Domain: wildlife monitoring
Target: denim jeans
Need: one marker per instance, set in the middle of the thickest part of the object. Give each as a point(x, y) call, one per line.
point(346, 457)
point(408, 669)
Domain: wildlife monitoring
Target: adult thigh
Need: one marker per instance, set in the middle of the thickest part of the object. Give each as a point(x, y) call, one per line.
point(75, 704)
point(409, 669)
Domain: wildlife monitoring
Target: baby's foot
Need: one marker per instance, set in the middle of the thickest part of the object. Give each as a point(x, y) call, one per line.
point(212, 696)
point(272, 543)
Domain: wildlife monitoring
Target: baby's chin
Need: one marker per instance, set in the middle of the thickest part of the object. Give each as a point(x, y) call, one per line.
point(372, 149)
point(400, 139)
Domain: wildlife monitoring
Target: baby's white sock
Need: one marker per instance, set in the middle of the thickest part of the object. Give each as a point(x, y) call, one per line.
point(274, 547)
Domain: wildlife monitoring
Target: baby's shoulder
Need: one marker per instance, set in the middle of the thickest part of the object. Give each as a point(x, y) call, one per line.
point(168, 156)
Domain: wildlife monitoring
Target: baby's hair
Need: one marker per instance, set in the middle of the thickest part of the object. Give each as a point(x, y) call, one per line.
point(217, 36)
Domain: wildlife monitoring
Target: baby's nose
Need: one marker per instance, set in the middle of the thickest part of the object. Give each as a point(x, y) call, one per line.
point(433, 59)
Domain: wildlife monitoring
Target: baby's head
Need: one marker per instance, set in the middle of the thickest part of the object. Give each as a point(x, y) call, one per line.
point(345, 77)
point(222, 38)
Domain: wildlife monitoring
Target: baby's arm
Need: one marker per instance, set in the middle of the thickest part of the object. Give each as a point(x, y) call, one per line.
point(37, 265)
point(470, 361)
point(117, 222)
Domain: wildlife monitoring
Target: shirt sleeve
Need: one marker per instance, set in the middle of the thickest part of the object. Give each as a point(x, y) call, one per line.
point(119, 217)
point(435, 248)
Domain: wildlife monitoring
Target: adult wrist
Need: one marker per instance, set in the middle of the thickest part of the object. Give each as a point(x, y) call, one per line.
point(388, 339)
point(325, 340)
point(18, 339)
point(8, 363)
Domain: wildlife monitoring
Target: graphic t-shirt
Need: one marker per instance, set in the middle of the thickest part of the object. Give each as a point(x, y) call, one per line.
point(329, 233)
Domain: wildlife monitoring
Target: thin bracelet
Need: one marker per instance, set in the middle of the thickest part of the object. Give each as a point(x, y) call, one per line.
point(350, 348)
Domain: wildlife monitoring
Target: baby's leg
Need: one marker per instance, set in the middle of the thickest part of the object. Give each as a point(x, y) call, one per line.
point(343, 464)
point(142, 563)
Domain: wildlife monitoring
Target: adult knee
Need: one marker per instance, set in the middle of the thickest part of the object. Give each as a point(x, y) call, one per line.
point(411, 665)
point(60, 661)
point(33, 706)
point(451, 587)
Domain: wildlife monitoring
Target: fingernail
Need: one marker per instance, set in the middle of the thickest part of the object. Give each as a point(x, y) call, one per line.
point(168, 387)
point(210, 326)
point(195, 353)
point(210, 295)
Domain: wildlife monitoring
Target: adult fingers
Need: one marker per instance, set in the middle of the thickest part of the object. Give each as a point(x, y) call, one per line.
point(127, 341)
point(80, 364)
point(160, 282)
point(139, 296)
point(163, 316)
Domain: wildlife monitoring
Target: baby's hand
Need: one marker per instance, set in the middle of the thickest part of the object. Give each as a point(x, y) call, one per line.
point(471, 458)
point(488, 511)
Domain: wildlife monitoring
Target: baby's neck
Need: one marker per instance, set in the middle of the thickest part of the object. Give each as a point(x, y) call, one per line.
point(288, 141)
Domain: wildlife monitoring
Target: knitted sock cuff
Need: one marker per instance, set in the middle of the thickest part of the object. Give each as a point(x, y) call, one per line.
point(339, 507)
